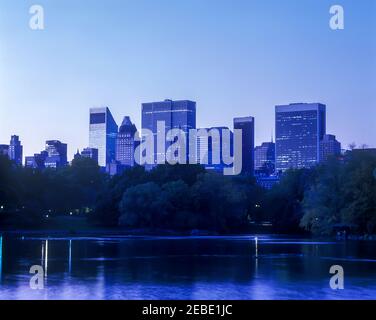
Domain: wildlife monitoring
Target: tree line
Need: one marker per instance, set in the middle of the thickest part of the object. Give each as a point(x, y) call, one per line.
point(320, 200)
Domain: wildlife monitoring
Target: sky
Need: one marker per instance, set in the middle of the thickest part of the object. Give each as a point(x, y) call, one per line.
point(233, 57)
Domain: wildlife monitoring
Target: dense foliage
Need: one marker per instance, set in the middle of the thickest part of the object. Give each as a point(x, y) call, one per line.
point(178, 198)
point(342, 196)
point(335, 195)
point(27, 196)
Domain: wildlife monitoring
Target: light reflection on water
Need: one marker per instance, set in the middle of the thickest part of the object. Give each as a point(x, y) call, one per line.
point(239, 267)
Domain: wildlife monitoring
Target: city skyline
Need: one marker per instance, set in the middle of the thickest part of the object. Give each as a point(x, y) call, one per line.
point(243, 66)
point(104, 133)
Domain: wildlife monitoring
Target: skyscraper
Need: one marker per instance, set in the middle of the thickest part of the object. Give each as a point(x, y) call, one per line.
point(174, 115)
point(15, 150)
point(299, 129)
point(329, 147)
point(102, 134)
point(125, 144)
point(247, 125)
point(57, 154)
point(265, 158)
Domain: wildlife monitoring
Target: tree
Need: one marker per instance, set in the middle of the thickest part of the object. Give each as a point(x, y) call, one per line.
point(143, 206)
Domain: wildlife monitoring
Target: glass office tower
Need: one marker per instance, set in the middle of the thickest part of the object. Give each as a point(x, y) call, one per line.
point(299, 129)
point(247, 125)
point(102, 134)
point(125, 144)
point(174, 114)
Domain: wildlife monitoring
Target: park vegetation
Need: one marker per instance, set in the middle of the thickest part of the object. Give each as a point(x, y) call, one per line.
point(321, 200)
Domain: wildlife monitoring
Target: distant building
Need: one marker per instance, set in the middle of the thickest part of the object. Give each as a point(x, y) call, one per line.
point(15, 150)
point(114, 168)
point(57, 154)
point(265, 158)
point(174, 115)
point(299, 129)
point(102, 134)
point(247, 125)
point(4, 150)
point(125, 143)
point(211, 147)
point(37, 161)
point(268, 182)
point(91, 153)
point(329, 147)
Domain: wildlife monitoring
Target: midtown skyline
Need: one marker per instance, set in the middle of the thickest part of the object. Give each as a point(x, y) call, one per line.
point(95, 131)
point(243, 66)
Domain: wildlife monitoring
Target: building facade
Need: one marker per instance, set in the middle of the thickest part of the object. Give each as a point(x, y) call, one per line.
point(299, 129)
point(90, 153)
point(15, 150)
point(37, 161)
point(329, 147)
point(4, 150)
point(125, 143)
point(57, 154)
point(212, 147)
point(174, 114)
point(247, 125)
point(265, 158)
point(102, 134)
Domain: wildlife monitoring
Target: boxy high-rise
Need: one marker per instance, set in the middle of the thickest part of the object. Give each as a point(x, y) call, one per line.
point(299, 130)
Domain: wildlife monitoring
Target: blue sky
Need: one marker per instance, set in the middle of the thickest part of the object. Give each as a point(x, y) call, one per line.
point(234, 57)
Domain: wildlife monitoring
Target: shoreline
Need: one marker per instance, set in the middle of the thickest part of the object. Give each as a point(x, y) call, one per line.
point(103, 232)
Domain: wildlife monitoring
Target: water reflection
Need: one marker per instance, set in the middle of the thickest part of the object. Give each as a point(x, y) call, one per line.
point(185, 268)
point(70, 257)
point(46, 259)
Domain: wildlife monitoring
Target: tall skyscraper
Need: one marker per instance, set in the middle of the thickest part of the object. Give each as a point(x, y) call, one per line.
point(15, 150)
point(57, 154)
point(102, 134)
point(265, 158)
point(174, 115)
point(247, 125)
point(329, 147)
point(299, 129)
point(210, 155)
point(125, 144)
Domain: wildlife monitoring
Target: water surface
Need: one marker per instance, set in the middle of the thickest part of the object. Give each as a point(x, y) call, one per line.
point(236, 267)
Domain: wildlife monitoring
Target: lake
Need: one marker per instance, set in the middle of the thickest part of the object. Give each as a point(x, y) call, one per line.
point(236, 267)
